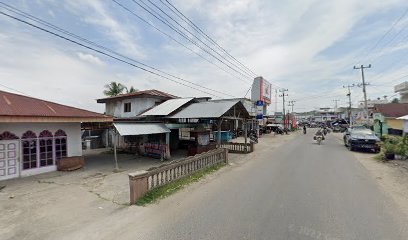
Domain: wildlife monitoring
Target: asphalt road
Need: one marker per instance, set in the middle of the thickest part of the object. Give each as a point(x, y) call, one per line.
point(300, 191)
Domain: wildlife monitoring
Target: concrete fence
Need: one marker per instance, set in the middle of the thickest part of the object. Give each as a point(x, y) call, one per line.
point(141, 182)
point(238, 147)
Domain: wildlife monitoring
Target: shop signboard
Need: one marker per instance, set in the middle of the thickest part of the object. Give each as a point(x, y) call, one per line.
point(261, 90)
point(259, 109)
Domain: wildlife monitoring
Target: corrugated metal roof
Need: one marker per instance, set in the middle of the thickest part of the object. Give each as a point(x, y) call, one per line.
point(151, 92)
point(392, 110)
point(126, 129)
point(18, 105)
point(211, 109)
point(167, 107)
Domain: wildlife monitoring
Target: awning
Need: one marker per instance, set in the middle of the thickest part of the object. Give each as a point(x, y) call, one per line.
point(127, 129)
point(403, 118)
point(210, 109)
point(167, 107)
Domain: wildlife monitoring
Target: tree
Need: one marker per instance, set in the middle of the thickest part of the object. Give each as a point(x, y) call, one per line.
point(395, 100)
point(131, 90)
point(113, 89)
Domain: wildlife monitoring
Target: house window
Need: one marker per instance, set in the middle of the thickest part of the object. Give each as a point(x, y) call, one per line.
point(46, 149)
point(127, 107)
point(60, 144)
point(29, 144)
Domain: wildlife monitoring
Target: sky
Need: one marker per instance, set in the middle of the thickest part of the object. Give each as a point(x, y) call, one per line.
point(306, 46)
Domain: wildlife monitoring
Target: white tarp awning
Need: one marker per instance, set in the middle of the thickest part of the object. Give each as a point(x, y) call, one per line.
point(403, 117)
point(167, 107)
point(210, 109)
point(127, 129)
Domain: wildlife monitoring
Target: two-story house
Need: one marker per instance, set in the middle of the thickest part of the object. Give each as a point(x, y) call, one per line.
point(132, 130)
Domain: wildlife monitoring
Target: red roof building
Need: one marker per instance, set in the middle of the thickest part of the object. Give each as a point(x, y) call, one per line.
point(19, 108)
point(36, 135)
point(139, 94)
point(392, 110)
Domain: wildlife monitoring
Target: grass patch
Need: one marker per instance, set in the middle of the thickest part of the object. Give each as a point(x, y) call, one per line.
point(379, 157)
point(168, 189)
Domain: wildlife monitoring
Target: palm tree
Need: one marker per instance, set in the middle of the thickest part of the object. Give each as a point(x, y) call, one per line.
point(131, 90)
point(114, 89)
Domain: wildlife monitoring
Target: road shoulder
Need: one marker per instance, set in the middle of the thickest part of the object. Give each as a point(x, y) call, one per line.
point(391, 176)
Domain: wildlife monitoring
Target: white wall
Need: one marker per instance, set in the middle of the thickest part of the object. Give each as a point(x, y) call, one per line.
point(138, 105)
point(73, 131)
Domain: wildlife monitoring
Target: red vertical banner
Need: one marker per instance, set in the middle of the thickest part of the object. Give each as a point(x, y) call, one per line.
point(293, 121)
point(286, 121)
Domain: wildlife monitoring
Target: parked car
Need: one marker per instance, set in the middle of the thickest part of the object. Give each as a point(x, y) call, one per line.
point(361, 138)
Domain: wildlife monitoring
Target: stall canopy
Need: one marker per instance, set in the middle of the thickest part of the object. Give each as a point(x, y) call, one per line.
point(212, 109)
point(127, 129)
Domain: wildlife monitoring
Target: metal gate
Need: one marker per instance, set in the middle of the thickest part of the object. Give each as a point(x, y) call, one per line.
point(8, 159)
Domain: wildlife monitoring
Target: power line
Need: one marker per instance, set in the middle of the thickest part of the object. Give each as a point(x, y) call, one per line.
point(185, 29)
point(199, 30)
point(103, 53)
point(175, 40)
point(171, 26)
point(13, 89)
point(384, 35)
point(21, 13)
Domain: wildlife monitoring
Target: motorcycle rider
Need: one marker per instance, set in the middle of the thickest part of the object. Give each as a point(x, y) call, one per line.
point(319, 133)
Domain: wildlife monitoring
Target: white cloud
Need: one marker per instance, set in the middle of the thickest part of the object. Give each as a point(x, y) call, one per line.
point(96, 13)
point(90, 58)
point(284, 41)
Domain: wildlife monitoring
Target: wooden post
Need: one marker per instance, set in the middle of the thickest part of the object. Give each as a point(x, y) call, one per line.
point(219, 131)
point(114, 151)
point(226, 155)
point(245, 135)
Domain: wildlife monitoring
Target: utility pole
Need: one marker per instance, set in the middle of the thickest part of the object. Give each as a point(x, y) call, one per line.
point(349, 102)
point(276, 100)
point(364, 90)
point(291, 104)
point(283, 95)
point(335, 107)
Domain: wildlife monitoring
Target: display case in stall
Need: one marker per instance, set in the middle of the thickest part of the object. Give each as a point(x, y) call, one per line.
point(202, 142)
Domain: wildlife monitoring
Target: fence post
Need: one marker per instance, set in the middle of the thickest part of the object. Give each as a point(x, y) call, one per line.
point(138, 183)
point(226, 155)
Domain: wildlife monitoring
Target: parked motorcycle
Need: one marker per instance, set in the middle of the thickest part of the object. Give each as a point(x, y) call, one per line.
point(253, 137)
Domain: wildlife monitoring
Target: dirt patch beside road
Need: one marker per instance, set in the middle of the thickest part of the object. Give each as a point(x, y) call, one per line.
point(392, 176)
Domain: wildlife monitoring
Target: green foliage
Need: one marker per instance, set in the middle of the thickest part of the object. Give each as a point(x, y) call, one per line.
point(396, 145)
point(168, 189)
point(131, 90)
point(395, 100)
point(114, 89)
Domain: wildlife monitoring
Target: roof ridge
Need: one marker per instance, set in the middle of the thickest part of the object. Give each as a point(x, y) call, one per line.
point(47, 101)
